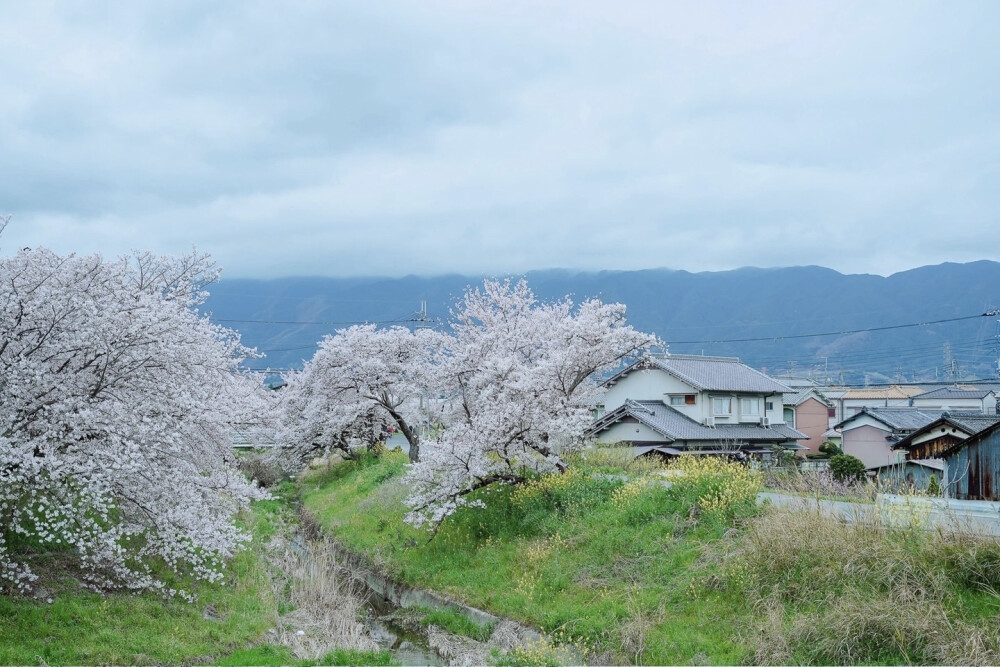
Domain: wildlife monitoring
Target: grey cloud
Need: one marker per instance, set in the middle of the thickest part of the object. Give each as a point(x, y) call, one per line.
point(320, 137)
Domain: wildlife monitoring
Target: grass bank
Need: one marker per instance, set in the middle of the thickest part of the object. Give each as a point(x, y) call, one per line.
point(228, 624)
point(632, 572)
point(602, 563)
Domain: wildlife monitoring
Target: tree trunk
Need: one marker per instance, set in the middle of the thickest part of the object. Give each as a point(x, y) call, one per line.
point(411, 437)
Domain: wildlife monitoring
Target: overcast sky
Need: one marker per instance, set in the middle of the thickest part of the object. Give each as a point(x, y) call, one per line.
point(383, 138)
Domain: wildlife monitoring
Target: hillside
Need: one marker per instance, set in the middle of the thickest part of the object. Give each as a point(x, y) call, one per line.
point(764, 316)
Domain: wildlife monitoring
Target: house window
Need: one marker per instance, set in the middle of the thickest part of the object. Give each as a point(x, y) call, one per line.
point(750, 407)
point(770, 405)
point(789, 416)
point(687, 399)
point(831, 412)
point(722, 406)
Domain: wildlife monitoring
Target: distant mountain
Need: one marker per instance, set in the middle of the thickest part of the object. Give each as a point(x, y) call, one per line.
point(767, 317)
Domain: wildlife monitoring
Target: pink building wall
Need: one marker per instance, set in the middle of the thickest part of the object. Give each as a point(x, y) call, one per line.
point(812, 418)
point(869, 444)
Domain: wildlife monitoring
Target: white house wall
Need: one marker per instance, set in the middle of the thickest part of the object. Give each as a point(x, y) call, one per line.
point(852, 406)
point(646, 385)
point(626, 432)
point(658, 385)
point(986, 405)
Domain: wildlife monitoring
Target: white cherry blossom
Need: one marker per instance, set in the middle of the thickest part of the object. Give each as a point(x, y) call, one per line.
point(115, 401)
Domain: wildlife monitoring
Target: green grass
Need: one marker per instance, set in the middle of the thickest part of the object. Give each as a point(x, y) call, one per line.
point(629, 571)
point(456, 623)
point(562, 557)
point(82, 627)
point(269, 655)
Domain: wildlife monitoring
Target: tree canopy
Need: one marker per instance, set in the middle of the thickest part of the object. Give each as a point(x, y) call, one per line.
point(116, 398)
point(502, 394)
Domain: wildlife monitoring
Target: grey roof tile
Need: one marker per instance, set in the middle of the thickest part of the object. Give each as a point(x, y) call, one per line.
point(710, 373)
point(952, 393)
point(906, 419)
point(676, 426)
point(973, 423)
point(794, 399)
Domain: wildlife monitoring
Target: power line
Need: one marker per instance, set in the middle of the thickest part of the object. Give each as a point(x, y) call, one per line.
point(829, 333)
point(323, 323)
point(292, 349)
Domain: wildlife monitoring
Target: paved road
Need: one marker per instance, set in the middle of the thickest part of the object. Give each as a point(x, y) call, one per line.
point(972, 516)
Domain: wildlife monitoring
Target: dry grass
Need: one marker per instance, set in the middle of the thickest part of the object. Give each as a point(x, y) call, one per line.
point(326, 603)
point(637, 627)
point(819, 484)
point(828, 592)
point(859, 629)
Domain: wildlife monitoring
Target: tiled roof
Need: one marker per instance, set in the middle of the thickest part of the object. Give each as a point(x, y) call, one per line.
point(709, 373)
point(971, 422)
point(934, 464)
point(901, 418)
point(952, 392)
point(802, 396)
point(676, 426)
point(893, 392)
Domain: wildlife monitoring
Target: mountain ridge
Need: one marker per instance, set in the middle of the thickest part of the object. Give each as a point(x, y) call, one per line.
point(710, 312)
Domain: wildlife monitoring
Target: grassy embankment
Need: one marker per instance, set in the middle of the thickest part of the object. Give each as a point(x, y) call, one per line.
point(227, 624)
point(634, 572)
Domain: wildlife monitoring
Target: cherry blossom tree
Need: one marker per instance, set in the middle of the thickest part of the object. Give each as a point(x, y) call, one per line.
point(520, 380)
point(508, 390)
point(115, 400)
point(316, 422)
point(360, 381)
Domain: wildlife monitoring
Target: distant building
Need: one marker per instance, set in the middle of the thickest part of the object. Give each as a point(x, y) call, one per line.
point(852, 401)
point(808, 411)
point(972, 466)
point(873, 434)
point(683, 403)
point(939, 437)
point(958, 398)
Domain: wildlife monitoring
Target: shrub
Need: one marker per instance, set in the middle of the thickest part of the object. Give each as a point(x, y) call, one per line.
point(830, 449)
point(933, 487)
point(716, 486)
point(571, 493)
point(846, 468)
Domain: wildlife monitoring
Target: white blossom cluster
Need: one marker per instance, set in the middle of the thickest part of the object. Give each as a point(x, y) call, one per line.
point(359, 383)
point(506, 392)
point(114, 400)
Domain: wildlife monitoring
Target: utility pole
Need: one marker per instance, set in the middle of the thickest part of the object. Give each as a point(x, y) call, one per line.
point(997, 344)
point(425, 403)
point(421, 319)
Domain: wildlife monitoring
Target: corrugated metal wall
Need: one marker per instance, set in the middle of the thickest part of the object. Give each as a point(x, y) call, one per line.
point(974, 470)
